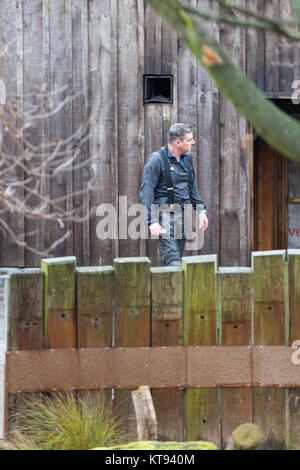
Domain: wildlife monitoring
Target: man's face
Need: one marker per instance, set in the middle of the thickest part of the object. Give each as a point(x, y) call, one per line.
point(187, 143)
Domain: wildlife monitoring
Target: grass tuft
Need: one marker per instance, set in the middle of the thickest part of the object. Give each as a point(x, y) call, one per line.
point(64, 421)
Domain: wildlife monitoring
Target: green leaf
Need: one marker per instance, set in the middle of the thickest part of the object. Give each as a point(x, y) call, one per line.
point(295, 4)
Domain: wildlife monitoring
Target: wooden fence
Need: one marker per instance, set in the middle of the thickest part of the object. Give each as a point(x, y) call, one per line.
point(217, 346)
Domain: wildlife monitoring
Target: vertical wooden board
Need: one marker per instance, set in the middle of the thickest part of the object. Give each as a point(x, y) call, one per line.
point(236, 305)
point(286, 52)
point(33, 84)
point(208, 143)
point(104, 128)
point(60, 79)
point(269, 415)
point(80, 116)
point(293, 422)
point(10, 66)
point(59, 302)
point(236, 409)
point(255, 48)
point(25, 319)
point(167, 330)
point(25, 307)
point(294, 295)
point(153, 112)
point(94, 300)
point(132, 302)
point(166, 306)
point(203, 404)
point(200, 329)
point(272, 50)
point(94, 310)
point(199, 300)
point(131, 322)
point(130, 109)
point(269, 297)
point(4, 289)
point(270, 308)
point(234, 240)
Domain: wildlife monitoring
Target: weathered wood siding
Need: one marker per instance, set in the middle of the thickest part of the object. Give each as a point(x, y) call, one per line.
point(103, 48)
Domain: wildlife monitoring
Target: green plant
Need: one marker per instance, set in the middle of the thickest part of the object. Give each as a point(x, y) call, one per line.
point(64, 421)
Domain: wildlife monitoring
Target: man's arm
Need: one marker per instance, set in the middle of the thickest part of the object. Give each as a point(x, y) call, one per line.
point(196, 200)
point(151, 174)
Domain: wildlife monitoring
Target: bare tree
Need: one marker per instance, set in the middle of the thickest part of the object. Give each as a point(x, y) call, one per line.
point(28, 168)
point(277, 128)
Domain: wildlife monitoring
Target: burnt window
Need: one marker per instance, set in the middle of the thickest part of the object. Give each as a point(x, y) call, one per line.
point(158, 89)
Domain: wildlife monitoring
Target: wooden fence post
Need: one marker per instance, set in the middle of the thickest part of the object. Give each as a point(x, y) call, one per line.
point(94, 300)
point(167, 330)
point(25, 316)
point(26, 309)
point(269, 278)
point(293, 394)
point(59, 302)
point(132, 318)
point(235, 299)
point(94, 295)
point(201, 404)
point(4, 290)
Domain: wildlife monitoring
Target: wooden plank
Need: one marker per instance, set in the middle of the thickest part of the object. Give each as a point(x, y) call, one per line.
point(269, 297)
point(59, 302)
point(269, 415)
point(130, 109)
point(33, 83)
point(207, 144)
point(132, 320)
point(9, 66)
point(94, 310)
point(25, 307)
point(293, 422)
point(199, 300)
point(255, 48)
point(201, 405)
point(270, 308)
point(4, 289)
point(60, 76)
point(287, 53)
point(167, 330)
point(234, 207)
point(153, 112)
point(80, 115)
point(104, 138)
point(94, 300)
point(236, 409)
point(25, 319)
point(294, 295)
point(236, 294)
point(272, 58)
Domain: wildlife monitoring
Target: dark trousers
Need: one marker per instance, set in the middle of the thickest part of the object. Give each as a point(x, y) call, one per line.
point(171, 244)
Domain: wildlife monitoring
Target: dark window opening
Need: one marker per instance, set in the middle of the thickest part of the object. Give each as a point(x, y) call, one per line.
point(158, 89)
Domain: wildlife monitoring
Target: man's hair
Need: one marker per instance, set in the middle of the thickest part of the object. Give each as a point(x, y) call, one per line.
point(178, 131)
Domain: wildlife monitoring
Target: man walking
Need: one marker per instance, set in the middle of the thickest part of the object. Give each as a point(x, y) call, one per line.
point(168, 185)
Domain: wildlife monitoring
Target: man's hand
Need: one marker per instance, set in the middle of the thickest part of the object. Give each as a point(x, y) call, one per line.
point(203, 222)
point(155, 229)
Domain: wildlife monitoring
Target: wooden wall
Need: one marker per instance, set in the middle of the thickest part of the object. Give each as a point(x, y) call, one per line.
point(104, 48)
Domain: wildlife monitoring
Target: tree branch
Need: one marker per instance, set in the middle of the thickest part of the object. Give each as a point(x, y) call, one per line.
point(277, 128)
point(295, 4)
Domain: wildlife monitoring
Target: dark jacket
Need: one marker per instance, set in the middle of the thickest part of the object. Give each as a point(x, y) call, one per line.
point(154, 186)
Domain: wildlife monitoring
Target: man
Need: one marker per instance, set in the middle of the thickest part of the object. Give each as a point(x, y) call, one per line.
point(169, 181)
